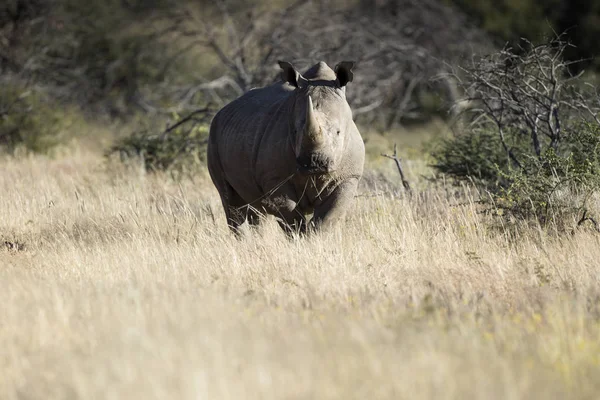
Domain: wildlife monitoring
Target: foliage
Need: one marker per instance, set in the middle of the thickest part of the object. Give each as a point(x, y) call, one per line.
point(178, 148)
point(28, 121)
point(162, 55)
point(92, 52)
point(558, 183)
point(533, 141)
point(473, 155)
point(510, 20)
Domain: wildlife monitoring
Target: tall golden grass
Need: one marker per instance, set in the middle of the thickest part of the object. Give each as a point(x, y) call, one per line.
point(117, 284)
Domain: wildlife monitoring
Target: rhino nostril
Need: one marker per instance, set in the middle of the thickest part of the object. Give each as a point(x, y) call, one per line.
point(303, 161)
point(314, 162)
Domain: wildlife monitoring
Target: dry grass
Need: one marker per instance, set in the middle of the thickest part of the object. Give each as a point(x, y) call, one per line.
point(116, 284)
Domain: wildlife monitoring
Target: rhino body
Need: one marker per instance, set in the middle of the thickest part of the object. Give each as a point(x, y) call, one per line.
point(289, 149)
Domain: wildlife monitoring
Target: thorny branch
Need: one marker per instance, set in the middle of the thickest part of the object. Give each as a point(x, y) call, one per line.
point(525, 92)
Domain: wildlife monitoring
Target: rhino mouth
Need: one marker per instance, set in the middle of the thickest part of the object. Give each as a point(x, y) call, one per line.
point(304, 170)
point(313, 164)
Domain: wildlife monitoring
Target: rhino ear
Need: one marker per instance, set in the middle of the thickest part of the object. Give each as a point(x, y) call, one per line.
point(344, 72)
point(290, 75)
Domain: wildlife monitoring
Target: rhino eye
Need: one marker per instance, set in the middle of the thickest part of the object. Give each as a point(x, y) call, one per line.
point(338, 132)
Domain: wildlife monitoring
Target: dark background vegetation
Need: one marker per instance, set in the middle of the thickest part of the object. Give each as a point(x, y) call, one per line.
point(511, 20)
point(123, 57)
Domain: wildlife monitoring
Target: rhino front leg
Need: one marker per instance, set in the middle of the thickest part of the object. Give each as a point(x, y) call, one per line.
point(294, 225)
point(283, 205)
point(236, 210)
point(333, 209)
point(290, 219)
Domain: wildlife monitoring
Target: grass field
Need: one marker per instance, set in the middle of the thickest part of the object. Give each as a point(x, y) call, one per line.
point(117, 284)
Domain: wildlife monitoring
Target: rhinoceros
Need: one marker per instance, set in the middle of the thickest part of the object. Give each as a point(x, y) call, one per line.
point(290, 149)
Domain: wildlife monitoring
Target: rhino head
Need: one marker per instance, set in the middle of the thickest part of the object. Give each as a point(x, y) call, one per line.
point(321, 119)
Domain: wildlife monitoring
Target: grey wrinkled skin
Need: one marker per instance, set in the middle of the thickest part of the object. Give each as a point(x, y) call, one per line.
point(289, 149)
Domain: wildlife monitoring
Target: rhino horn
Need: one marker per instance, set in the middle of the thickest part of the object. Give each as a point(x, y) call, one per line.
point(313, 134)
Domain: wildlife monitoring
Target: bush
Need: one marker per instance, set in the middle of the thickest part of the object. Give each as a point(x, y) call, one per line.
point(472, 155)
point(533, 143)
point(97, 52)
point(558, 183)
point(179, 148)
point(28, 121)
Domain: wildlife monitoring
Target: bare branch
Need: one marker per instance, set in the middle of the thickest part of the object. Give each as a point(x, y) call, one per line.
point(585, 218)
point(527, 92)
point(394, 157)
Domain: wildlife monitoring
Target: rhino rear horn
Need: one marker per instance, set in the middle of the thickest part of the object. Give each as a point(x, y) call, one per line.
point(344, 73)
point(290, 75)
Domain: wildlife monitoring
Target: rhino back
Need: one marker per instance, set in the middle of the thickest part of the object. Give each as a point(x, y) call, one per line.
point(237, 131)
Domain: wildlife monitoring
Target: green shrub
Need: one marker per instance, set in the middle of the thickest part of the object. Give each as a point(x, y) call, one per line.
point(28, 121)
point(533, 143)
point(473, 154)
point(550, 188)
point(180, 147)
point(100, 52)
point(558, 183)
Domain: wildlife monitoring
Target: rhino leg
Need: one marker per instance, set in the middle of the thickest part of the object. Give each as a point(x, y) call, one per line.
point(283, 205)
point(233, 205)
point(236, 209)
point(334, 207)
point(293, 226)
point(237, 212)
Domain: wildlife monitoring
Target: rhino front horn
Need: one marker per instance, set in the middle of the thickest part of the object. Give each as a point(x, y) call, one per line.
point(312, 130)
